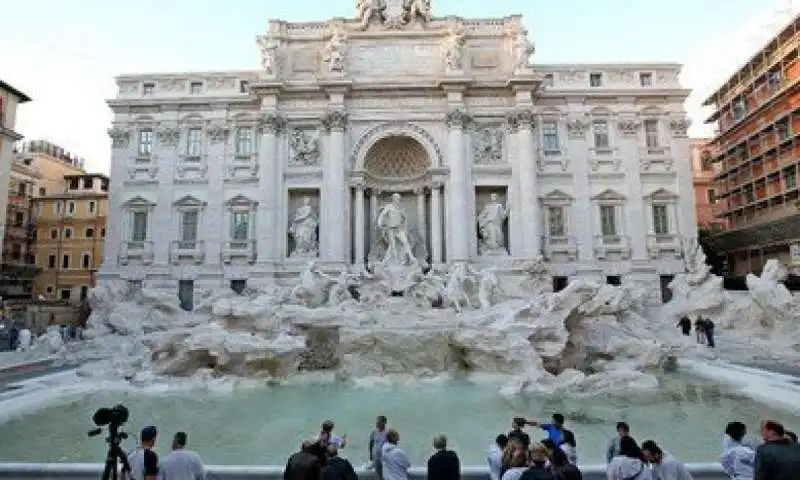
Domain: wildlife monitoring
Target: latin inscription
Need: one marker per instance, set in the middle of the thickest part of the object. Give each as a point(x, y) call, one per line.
point(396, 59)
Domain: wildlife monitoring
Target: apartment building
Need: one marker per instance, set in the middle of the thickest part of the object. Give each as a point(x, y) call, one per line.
point(71, 228)
point(757, 112)
point(10, 98)
point(19, 261)
point(707, 206)
point(52, 162)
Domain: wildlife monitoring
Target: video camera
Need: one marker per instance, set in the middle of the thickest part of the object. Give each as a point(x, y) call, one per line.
point(114, 417)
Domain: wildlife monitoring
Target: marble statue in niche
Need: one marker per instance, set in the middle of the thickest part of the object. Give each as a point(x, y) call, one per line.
point(487, 147)
point(392, 225)
point(454, 48)
point(491, 219)
point(304, 147)
point(303, 230)
point(335, 50)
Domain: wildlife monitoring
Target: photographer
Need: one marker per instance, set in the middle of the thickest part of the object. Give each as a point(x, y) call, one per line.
point(143, 460)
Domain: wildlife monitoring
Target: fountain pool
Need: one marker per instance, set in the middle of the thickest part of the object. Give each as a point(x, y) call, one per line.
point(262, 425)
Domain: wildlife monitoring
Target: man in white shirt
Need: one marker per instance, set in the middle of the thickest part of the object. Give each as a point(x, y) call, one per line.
point(182, 464)
point(495, 458)
point(327, 430)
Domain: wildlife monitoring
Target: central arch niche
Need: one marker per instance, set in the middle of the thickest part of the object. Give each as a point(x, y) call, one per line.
point(396, 159)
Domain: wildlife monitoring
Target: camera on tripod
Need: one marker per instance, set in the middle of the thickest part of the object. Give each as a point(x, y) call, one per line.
point(114, 417)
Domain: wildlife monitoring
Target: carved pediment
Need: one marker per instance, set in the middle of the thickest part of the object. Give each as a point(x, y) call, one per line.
point(609, 195)
point(662, 194)
point(556, 197)
point(139, 202)
point(241, 201)
point(189, 201)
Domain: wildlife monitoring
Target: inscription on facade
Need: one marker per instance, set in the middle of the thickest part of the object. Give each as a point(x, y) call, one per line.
point(398, 58)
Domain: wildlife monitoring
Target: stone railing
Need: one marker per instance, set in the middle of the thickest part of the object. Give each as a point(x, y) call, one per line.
point(245, 249)
point(612, 244)
point(142, 250)
point(190, 250)
point(87, 471)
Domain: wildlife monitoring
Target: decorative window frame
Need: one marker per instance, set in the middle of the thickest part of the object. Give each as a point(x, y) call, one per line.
point(658, 244)
point(240, 203)
point(180, 248)
point(85, 254)
point(603, 156)
point(619, 243)
point(244, 168)
point(553, 157)
point(187, 163)
point(562, 244)
point(138, 204)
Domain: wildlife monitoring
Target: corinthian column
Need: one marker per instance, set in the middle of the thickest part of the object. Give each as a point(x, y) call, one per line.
point(360, 224)
point(458, 225)
point(526, 173)
point(333, 231)
point(269, 230)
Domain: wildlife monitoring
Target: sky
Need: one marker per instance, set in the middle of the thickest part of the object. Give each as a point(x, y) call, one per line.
point(66, 53)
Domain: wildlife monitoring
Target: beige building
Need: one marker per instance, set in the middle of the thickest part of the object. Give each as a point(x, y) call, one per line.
point(51, 161)
point(71, 230)
point(10, 97)
point(19, 261)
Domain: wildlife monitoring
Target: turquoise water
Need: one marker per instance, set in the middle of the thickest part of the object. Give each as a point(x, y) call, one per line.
point(264, 425)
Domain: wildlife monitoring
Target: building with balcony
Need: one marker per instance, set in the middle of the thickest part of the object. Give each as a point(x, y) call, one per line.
point(51, 161)
point(10, 98)
point(19, 262)
point(704, 170)
point(241, 177)
point(71, 229)
point(757, 112)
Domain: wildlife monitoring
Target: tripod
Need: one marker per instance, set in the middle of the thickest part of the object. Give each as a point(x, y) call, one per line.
point(114, 455)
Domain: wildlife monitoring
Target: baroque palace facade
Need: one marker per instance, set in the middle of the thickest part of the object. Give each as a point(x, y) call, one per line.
point(242, 177)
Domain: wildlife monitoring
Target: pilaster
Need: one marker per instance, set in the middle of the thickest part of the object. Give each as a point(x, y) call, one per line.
point(269, 229)
point(333, 231)
point(458, 224)
point(522, 120)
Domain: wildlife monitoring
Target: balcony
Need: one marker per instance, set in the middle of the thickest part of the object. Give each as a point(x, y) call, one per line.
point(19, 266)
point(553, 159)
point(606, 247)
point(143, 169)
point(142, 251)
point(191, 168)
point(649, 156)
point(239, 249)
point(560, 247)
point(242, 168)
point(194, 251)
point(608, 157)
point(664, 244)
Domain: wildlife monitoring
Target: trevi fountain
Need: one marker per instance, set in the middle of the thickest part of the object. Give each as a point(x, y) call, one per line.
point(457, 347)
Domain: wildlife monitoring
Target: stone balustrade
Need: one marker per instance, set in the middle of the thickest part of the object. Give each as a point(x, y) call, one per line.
point(86, 471)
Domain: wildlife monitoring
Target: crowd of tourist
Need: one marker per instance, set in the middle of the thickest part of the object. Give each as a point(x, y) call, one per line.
point(512, 456)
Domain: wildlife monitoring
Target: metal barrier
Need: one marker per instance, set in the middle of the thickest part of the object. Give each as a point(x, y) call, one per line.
point(93, 471)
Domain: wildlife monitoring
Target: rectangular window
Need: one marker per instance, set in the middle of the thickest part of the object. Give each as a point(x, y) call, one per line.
point(789, 177)
point(783, 130)
point(90, 233)
point(548, 80)
point(84, 292)
point(86, 260)
point(608, 220)
point(67, 233)
point(660, 220)
point(145, 142)
point(102, 233)
point(58, 207)
point(712, 196)
point(189, 224)
point(196, 88)
point(49, 289)
point(600, 132)
point(550, 136)
point(92, 206)
point(555, 222)
point(651, 133)
point(148, 89)
point(194, 142)
point(595, 79)
point(65, 261)
point(51, 261)
point(646, 79)
point(73, 183)
point(739, 109)
point(244, 142)
point(53, 234)
point(240, 226)
point(774, 80)
point(244, 86)
point(139, 230)
point(71, 207)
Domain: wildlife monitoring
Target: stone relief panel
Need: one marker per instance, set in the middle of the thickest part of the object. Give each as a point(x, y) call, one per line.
point(487, 144)
point(304, 148)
